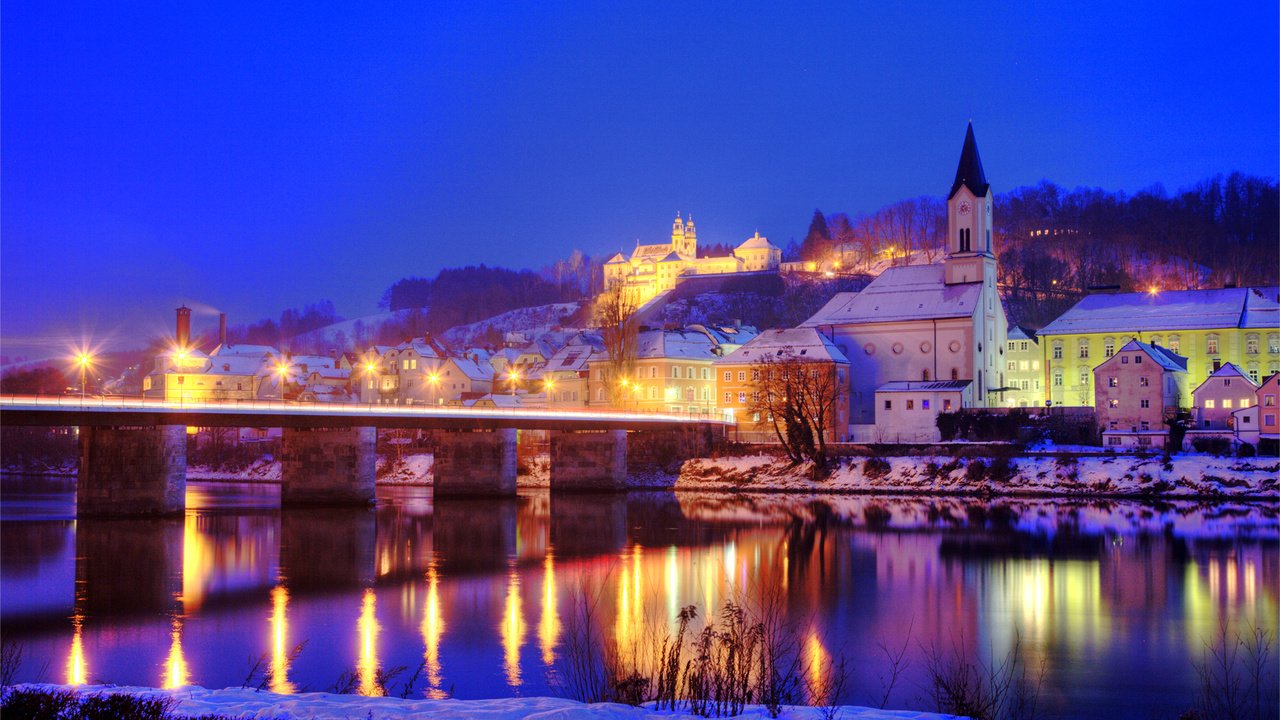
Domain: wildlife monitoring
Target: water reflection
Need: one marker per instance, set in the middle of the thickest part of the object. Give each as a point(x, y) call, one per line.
point(1099, 593)
point(281, 652)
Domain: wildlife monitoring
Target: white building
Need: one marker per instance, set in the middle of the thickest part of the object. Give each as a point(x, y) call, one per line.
point(925, 323)
point(907, 411)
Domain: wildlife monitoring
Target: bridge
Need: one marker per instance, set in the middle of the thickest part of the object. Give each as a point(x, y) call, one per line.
point(133, 457)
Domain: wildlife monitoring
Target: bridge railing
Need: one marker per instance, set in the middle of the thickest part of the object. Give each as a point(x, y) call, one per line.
point(143, 404)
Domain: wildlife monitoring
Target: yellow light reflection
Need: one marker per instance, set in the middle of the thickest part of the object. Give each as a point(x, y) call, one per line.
point(549, 625)
point(673, 582)
point(818, 661)
point(198, 560)
point(512, 630)
point(76, 670)
point(432, 630)
point(176, 673)
point(280, 642)
point(367, 663)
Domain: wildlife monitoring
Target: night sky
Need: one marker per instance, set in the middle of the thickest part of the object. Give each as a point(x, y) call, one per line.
point(252, 158)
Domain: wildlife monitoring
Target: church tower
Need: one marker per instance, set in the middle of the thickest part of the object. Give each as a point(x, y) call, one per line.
point(690, 239)
point(970, 255)
point(677, 236)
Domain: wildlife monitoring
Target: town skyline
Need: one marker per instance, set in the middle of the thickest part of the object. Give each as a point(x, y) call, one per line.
point(318, 195)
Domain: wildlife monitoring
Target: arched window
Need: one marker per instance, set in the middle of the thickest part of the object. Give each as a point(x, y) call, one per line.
point(925, 375)
point(955, 373)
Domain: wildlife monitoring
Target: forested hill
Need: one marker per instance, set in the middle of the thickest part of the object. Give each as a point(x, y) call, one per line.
point(1054, 244)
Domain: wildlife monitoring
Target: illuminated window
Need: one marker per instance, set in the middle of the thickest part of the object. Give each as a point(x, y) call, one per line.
point(1084, 349)
point(924, 404)
point(728, 398)
point(1226, 404)
point(1144, 382)
point(1251, 345)
point(1175, 344)
point(1113, 382)
point(1211, 344)
point(1113, 403)
point(1209, 404)
point(742, 397)
point(911, 404)
point(1273, 343)
point(946, 406)
point(1057, 351)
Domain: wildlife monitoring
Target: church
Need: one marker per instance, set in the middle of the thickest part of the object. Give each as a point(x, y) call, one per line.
point(655, 269)
point(928, 330)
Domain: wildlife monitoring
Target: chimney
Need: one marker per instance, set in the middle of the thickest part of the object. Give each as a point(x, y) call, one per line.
point(222, 329)
point(184, 326)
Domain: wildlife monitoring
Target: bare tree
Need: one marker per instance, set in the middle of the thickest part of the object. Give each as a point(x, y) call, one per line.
point(798, 397)
point(619, 328)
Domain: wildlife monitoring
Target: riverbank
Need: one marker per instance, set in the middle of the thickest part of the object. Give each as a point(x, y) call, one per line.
point(1184, 476)
point(195, 701)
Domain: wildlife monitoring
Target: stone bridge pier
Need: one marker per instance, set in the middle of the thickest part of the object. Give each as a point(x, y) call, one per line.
point(475, 464)
point(132, 470)
point(589, 461)
point(328, 466)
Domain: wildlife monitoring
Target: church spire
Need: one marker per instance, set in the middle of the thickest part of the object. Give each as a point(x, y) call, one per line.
point(969, 172)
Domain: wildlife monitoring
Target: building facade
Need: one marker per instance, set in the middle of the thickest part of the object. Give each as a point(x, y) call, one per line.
point(654, 269)
point(1213, 400)
point(1208, 327)
point(942, 321)
point(1024, 371)
point(1137, 389)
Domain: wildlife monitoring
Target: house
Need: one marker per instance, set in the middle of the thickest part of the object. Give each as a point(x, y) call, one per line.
point(1245, 425)
point(459, 376)
point(907, 410)
point(942, 321)
point(738, 380)
point(566, 378)
point(1208, 327)
point(1136, 390)
point(1024, 375)
point(673, 374)
point(1269, 416)
point(1213, 400)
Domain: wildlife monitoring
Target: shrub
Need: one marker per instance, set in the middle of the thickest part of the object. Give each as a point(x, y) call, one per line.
point(1218, 446)
point(976, 471)
point(875, 468)
point(1246, 451)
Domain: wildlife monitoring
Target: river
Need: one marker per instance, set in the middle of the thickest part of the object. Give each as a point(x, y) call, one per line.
point(1112, 601)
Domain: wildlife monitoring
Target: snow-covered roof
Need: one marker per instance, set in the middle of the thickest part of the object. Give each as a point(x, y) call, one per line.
point(1167, 311)
point(1166, 358)
point(572, 358)
point(473, 370)
point(502, 401)
point(910, 292)
point(248, 350)
point(671, 257)
point(1227, 371)
point(805, 344)
point(924, 386)
point(757, 243)
point(313, 362)
point(652, 344)
point(1017, 332)
point(649, 250)
point(237, 365)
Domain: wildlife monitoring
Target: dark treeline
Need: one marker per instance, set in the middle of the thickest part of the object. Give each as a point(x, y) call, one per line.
point(292, 322)
point(458, 296)
point(1054, 244)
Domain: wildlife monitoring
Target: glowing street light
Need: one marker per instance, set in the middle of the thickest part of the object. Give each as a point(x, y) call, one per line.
point(1153, 290)
point(283, 371)
point(83, 361)
point(514, 377)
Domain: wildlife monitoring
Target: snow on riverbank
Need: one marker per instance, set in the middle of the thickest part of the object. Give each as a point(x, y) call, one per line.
point(1119, 475)
point(247, 703)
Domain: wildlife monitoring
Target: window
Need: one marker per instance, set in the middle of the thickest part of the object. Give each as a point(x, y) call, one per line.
point(755, 375)
point(1144, 403)
point(1124, 359)
point(1144, 382)
point(1113, 440)
point(1209, 405)
point(911, 404)
point(728, 376)
point(1175, 344)
point(1112, 382)
point(1226, 404)
point(653, 392)
point(1251, 345)
point(924, 375)
point(1057, 379)
point(1273, 343)
point(1013, 345)
point(728, 398)
point(1211, 344)
point(1084, 349)
point(689, 373)
point(1057, 351)
point(742, 376)
point(755, 397)
point(1108, 347)
point(1253, 374)
point(1144, 425)
point(924, 404)
point(946, 406)
point(888, 404)
point(1113, 424)
point(1269, 420)
point(742, 397)
point(1012, 365)
point(653, 371)
point(755, 417)
point(1113, 403)
point(1144, 441)
point(955, 374)
point(1137, 359)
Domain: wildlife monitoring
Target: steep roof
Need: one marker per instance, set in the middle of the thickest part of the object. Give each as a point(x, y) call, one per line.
point(616, 259)
point(924, 386)
point(757, 243)
point(473, 370)
point(1170, 310)
point(806, 343)
point(248, 350)
point(910, 292)
point(969, 172)
point(652, 344)
point(1017, 332)
point(1228, 370)
point(1164, 357)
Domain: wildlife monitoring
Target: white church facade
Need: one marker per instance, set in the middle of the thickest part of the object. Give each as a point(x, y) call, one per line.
point(923, 324)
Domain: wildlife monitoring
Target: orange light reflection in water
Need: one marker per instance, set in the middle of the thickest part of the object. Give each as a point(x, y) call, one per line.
point(512, 630)
point(176, 673)
point(432, 630)
point(280, 651)
point(367, 663)
point(76, 669)
point(549, 625)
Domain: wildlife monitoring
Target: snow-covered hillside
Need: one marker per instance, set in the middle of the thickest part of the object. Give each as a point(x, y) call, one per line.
point(532, 321)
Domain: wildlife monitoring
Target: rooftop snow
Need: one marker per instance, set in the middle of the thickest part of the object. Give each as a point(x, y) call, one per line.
point(674, 344)
point(805, 343)
point(924, 386)
point(1166, 311)
point(911, 292)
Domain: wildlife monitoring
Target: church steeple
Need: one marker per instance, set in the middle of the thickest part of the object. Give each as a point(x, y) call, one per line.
point(969, 172)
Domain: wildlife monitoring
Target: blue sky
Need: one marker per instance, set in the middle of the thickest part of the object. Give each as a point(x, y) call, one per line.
point(248, 158)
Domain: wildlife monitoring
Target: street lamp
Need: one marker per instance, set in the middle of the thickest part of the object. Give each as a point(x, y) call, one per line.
point(433, 380)
point(514, 377)
point(369, 370)
point(83, 361)
point(282, 370)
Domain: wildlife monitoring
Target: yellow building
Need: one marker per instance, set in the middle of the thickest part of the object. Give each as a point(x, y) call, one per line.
point(193, 376)
point(1024, 371)
point(1208, 327)
point(674, 374)
point(655, 269)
